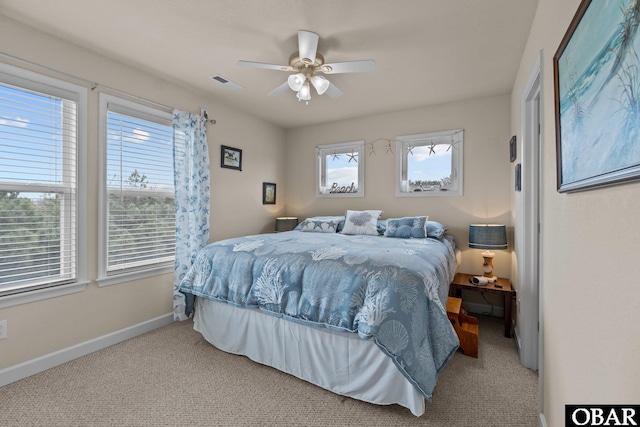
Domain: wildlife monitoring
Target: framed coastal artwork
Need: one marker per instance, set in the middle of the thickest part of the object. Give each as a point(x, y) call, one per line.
point(268, 193)
point(597, 96)
point(230, 158)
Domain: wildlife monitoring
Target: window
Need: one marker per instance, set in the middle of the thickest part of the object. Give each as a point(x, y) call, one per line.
point(137, 236)
point(340, 170)
point(42, 210)
point(429, 164)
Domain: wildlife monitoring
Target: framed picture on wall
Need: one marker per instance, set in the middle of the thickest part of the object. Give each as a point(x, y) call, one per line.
point(596, 76)
point(268, 193)
point(230, 158)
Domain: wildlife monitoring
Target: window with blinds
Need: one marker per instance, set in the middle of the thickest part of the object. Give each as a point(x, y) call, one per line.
point(39, 128)
point(139, 197)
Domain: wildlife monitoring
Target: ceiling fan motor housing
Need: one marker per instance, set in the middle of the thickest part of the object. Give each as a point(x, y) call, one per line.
point(306, 66)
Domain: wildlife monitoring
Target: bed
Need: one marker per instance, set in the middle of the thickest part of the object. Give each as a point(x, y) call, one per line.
point(362, 315)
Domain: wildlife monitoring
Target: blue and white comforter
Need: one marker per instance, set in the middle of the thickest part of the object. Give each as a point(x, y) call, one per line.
point(390, 290)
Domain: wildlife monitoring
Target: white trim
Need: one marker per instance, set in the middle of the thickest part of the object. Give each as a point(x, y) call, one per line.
point(530, 316)
point(30, 80)
point(40, 294)
point(39, 364)
point(528, 274)
point(134, 275)
point(107, 103)
point(321, 168)
point(424, 139)
point(542, 422)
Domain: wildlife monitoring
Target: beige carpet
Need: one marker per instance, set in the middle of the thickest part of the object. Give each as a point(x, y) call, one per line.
point(172, 377)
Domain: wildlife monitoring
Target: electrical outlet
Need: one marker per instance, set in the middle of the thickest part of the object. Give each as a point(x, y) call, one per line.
point(3, 329)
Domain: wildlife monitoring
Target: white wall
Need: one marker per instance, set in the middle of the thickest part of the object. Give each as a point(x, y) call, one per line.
point(39, 328)
point(590, 247)
point(486, 169)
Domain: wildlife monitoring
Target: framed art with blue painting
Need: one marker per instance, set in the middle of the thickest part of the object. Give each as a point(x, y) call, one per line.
point(597, 96)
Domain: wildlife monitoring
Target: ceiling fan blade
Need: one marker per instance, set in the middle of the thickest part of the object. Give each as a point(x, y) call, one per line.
point(280, 89)
point(333, 92)
point(251, 64)
point(307, 46)
point(364, 66)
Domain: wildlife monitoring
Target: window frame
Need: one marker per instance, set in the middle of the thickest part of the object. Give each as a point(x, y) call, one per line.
point(40, 83)
point(110, 103)
point(321, 166)
point(456, 136)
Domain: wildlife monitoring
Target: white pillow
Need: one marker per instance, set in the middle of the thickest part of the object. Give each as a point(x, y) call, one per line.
point(361, 222)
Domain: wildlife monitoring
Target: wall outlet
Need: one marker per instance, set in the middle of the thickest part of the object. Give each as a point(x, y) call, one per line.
point(3, 329)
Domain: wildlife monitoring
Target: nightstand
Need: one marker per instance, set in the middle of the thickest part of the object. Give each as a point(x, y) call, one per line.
point(501, 286)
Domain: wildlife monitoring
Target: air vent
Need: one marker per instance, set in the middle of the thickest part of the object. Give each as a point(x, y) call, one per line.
point(226, 82)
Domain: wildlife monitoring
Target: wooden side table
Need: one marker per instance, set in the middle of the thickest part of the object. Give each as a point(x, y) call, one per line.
point(461, 281)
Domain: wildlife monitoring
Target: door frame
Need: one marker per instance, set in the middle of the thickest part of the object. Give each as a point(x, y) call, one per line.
point(530, 323)
point(529, 260)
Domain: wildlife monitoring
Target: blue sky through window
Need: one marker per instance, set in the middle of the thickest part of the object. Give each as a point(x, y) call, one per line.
point(136, 145)
point(427, 165)
point(31, 134)
point(342, 169)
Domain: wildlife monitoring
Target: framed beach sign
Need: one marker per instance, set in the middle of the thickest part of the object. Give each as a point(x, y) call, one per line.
point(597, 96)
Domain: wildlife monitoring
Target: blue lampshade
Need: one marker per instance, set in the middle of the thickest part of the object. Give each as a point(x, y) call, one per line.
point(487, 236)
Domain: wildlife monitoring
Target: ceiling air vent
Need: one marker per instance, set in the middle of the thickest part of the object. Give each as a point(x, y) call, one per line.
point(226, 82)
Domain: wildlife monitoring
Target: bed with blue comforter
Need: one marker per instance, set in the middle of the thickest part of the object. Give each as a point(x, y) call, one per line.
point(391, 291)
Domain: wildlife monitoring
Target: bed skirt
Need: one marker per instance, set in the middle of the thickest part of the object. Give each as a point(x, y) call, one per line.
point(340, 362)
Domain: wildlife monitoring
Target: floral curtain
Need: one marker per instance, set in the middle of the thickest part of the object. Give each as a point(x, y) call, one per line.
point(192, 193)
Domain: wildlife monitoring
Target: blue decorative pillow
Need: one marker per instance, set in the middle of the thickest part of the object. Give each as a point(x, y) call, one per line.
point(435, 229)
point(361, 222)
point(319, 225)
point(407, 227)
point(316, 218)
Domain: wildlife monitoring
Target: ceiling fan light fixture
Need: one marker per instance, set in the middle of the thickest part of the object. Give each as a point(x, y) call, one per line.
point(296, 81)
point(305, 63)
point(320, 83)
point(304, 94)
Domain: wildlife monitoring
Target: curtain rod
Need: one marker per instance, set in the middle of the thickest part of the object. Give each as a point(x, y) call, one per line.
point(94, 85)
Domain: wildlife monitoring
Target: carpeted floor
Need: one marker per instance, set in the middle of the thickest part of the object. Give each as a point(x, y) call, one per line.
point(172, 377)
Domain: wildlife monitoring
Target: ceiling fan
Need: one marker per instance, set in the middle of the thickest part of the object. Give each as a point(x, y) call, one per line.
point(308, 64)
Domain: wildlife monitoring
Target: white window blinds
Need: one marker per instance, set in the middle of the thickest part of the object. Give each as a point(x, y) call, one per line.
point(38, 189)
point(140, 219)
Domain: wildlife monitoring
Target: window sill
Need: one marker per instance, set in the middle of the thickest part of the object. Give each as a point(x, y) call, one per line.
point(326, 195)
point(41, 294)
point(132, 276)
point(427, 193)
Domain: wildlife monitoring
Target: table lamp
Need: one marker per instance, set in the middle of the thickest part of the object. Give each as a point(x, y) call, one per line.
point(488, 236)
point(286, 223)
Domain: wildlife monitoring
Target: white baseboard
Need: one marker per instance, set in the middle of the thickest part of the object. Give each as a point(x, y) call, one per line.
point(42, 363)
point(484, 309)
point(542, 422)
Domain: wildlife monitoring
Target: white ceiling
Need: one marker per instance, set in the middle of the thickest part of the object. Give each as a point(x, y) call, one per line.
point(426, 51)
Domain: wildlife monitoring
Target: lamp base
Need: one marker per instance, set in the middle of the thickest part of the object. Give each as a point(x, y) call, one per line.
point(487, 266)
